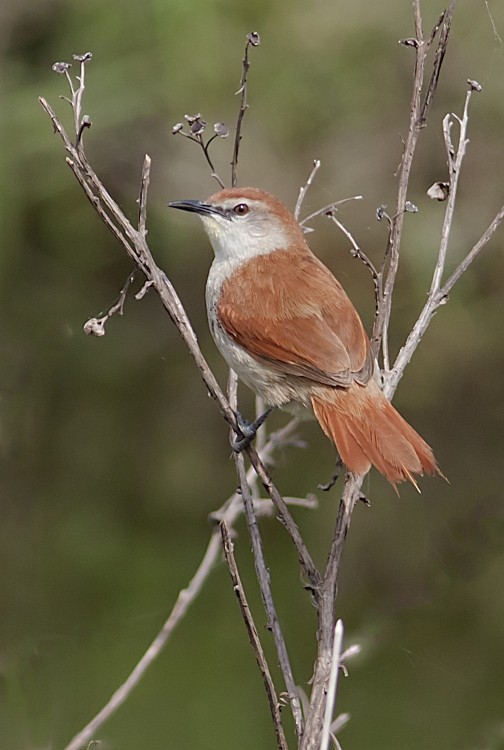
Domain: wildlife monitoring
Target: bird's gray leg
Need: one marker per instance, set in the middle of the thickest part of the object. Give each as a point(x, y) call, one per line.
point(249, 430)
point(334, 478)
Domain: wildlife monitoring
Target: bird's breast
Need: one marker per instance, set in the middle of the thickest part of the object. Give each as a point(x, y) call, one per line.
point(274, 387)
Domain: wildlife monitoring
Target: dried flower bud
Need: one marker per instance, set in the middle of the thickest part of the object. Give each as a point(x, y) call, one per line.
point(83, 58)
point(192, 118)
point(410, 207)
point(177, 128)
point(61, 67)
point(95, 326)
point(221, 129)
point(380, 212)
point(409, 42)
point(475, 86)
point(439, 191)
point(198, 127)
point(254, 39)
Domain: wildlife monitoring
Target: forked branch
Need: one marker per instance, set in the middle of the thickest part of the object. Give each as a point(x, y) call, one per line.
point(134, 241)
point(253, 636)
point(418, 114)
point(263, 576)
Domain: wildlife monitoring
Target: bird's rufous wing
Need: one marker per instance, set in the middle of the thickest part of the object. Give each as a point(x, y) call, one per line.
point(287, 309)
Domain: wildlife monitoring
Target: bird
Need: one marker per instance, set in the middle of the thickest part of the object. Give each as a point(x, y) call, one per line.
point(284, 324)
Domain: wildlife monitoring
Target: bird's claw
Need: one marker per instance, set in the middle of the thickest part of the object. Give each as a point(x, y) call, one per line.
point(334, 478)
point(248, 431)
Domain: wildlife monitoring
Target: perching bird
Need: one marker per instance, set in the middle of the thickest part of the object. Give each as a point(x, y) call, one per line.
point(284, 324)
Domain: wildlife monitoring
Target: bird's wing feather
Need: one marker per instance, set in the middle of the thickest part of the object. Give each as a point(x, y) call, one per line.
point(289, 310)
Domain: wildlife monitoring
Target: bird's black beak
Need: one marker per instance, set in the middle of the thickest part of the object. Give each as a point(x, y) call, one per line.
point(198, 207)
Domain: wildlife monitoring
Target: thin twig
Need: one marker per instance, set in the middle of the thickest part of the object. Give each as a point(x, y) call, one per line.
point(326, 599)
point(444, 23)
point(253, 40)
point(185, 598)
point(418, 19)
point(262, 573)
point(358, 253)
point(142, 199)
point(330, 207)
point(265, 588)
point(304, 190)
point(195, 121)
point(204, 146)
point(63, 68)
point(464, 265)
point(286, 519)
point(333, 684)
point(96, 326)
point(253, 636)
point(261, 432)
point(421, 325)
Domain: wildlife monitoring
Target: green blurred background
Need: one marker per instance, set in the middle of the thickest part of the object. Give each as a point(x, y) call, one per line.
point(112, 456)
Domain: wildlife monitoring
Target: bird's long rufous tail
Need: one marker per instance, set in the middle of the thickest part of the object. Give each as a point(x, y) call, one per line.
point(368, 430)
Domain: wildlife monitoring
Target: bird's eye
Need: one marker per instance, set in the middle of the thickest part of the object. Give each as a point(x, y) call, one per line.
point(241, 209)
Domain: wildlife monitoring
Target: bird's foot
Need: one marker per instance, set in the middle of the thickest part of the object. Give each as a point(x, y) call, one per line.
point(247, 430)
point(334, 478)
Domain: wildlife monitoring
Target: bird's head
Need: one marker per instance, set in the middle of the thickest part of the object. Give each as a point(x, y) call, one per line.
point(245, 222)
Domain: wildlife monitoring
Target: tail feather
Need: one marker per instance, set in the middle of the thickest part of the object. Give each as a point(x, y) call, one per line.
point(368, 430)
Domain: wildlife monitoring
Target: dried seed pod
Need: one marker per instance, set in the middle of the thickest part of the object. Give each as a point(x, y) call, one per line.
point(439, 191)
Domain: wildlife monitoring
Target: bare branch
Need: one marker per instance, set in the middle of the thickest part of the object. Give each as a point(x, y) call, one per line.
point(285, 517)
point(341, 720)
point(253, 40)
point(462, 267)
point(327, 209)
point(96, 326)
point(142, 199)
point(143, 291)
point(264, 506)
point(197, 126)
point(418, 20)
point(445, 21)
point(358, 253)
point(418, 114)
point(438, 295)
point(454, 167)
point(325, 599)
point(333, 684)
point(263, 573)
point(264, 585)
point(304, 190)
point(253, 636)
point(430, 307)
point(185, 598)
point(207, 157)
point(63, 68)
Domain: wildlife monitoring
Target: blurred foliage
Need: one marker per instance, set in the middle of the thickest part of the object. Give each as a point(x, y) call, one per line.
point(112, 456)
